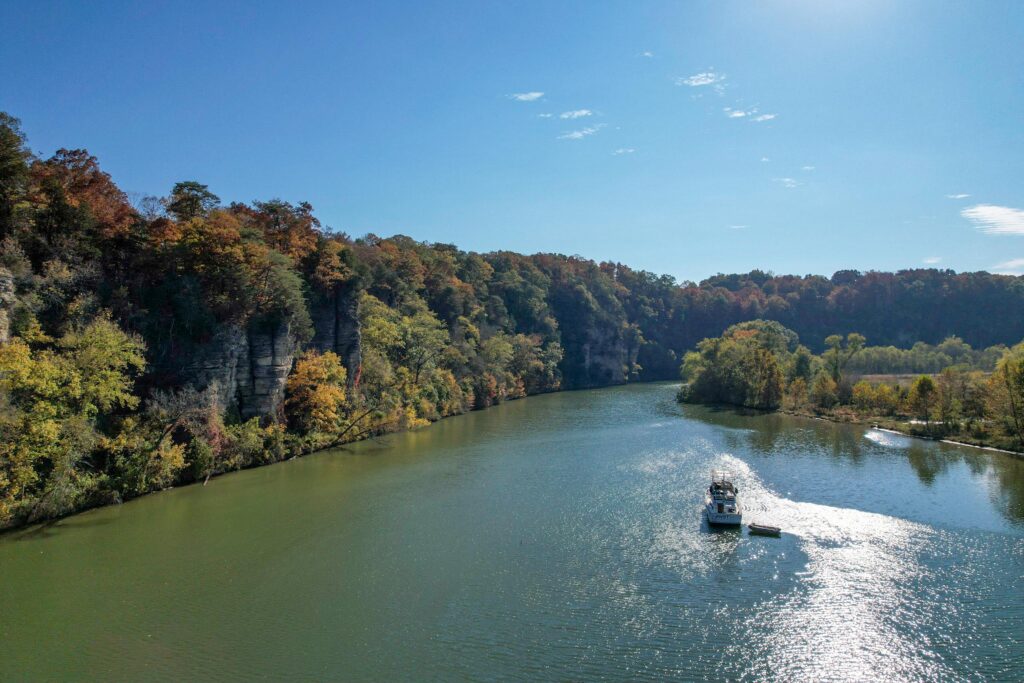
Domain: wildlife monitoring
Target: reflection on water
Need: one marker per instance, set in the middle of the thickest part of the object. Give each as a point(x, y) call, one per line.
point(557, 538)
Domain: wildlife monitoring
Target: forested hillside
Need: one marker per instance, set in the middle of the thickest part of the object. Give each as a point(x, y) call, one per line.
point(166, 339)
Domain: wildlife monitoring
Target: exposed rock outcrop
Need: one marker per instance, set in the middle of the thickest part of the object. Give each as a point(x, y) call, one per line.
point(248, 366)
point(336, 324)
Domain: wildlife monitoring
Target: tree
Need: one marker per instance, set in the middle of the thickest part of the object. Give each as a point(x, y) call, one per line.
point(1006, 393)
point(423, 338)
point(190, 199)
point(316, 392)
point(14, 164)
point(838, 354)
point(922, 397)
point(823, 392)
point(58, 392)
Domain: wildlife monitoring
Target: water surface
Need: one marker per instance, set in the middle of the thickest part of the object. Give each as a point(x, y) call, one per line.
point(553, 538)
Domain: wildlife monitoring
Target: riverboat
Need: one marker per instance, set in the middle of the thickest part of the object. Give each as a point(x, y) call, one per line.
point(720, 502)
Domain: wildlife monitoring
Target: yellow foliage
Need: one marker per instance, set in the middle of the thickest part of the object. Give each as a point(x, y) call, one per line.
point(316, 391)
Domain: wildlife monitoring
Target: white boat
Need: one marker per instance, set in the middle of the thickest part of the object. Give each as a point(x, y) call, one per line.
point(723, 508)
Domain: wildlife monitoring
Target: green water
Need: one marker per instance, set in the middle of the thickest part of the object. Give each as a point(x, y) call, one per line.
point(554, 538)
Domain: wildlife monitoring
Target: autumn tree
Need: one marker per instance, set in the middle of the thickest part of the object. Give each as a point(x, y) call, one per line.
point(316, 392)
point(922, 398)
point(58, 392)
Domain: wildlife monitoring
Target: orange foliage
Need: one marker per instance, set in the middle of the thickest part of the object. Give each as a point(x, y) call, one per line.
point(79, 176)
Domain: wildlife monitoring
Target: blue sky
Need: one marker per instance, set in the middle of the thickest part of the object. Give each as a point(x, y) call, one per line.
point(799, 136)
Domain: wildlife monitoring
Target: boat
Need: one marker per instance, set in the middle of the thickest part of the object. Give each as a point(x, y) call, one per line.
point(764, 530)
point(720, 502)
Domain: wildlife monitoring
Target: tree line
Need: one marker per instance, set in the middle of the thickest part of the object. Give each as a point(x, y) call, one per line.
point(120, 318)
point(761, 364)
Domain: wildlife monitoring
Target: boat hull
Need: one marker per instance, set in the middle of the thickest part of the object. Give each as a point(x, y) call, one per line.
point(717, 518)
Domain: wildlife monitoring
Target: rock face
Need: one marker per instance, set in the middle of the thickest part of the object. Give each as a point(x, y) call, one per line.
point(605, 358)
point(336, 324)
point(248, 366)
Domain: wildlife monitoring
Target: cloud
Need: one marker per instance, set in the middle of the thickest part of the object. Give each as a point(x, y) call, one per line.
point(749, 114)
point(544, 116)
point(623, 150)
point(526, 96)
point(736, 227)
point(581, 133)
point(765, 159)
point(932, 260)
point(738, 113)
point(995, 220)
point(806, 168)
point(708, 77)
point(575, 114)
point(957, 196)
point(647, 53)
point(1014, 266)
point(788, 182)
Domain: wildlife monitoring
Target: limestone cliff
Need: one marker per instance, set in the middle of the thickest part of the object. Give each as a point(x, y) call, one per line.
point(336, 325)
point(249, 367)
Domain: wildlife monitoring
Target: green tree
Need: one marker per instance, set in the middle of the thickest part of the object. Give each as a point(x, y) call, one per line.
point(190, 199)
point(838, 354)
point(822, 393)
point(14, 165)
point(1006, 393)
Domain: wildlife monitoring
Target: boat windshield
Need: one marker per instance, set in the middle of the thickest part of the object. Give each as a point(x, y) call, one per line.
point(721, 483)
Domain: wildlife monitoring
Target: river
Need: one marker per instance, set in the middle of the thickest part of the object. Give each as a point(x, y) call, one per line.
point(553, 538)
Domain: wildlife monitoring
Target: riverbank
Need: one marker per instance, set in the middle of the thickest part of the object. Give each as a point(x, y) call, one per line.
point(908, 428)
point(278, 446)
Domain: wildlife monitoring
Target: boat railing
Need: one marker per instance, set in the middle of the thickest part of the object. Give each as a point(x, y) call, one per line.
point(720, 477)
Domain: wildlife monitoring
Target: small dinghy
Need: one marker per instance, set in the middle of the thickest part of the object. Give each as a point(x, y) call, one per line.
point(764, 530)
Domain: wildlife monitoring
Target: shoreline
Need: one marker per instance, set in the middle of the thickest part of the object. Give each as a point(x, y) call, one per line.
point(42, 523)
point(874, 424)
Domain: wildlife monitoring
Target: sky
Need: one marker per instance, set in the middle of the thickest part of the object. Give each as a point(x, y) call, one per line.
point(684, 138)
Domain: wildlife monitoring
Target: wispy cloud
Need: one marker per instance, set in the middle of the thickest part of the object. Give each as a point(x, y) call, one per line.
point(749, 114)
point(1014, 266)
point(765, 159)
point(623, 150)
point(738, 113)
point(646, 53)
point(709, 77)
point(526, 96)
point(957, 196)
point(932, 260)
point(788, 182)
point(736, 227)
point(544, 116)
point(995, 220)
point(806, 168)
point(575, 114)
point(581, 133)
